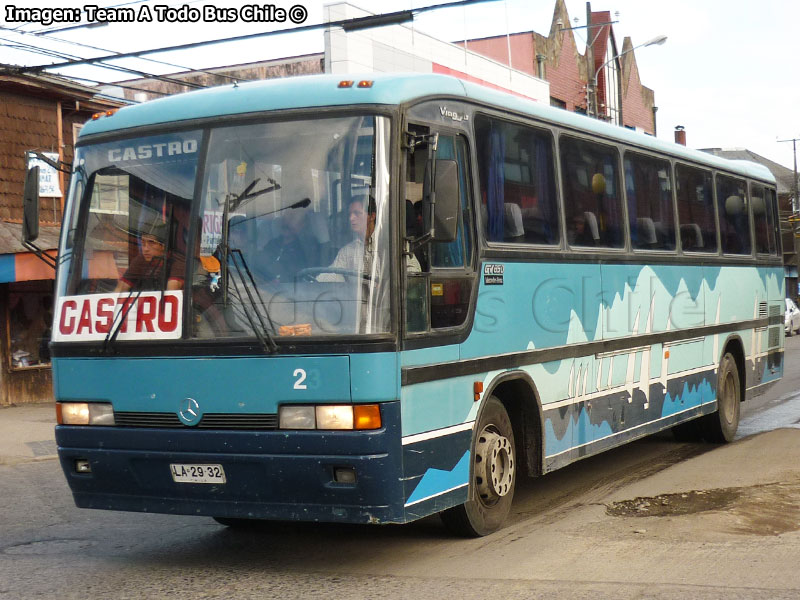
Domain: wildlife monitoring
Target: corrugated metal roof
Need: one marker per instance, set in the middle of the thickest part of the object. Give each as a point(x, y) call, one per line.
point(783, 175)
point(11, 238)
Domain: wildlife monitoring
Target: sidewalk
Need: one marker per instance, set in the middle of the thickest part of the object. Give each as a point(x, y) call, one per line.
point(27, 433)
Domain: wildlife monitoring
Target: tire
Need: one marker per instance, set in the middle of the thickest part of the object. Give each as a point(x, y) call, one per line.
point(720, 426)
point(492, 476)
point(238, 524)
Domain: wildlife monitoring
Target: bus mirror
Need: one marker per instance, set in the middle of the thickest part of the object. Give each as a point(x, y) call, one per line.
point(30, 206)
point(445, 208)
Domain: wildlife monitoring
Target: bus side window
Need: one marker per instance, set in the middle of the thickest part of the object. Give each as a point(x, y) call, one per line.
point(695, 209)
point(517, 178)
point(592, 202)
point(648, 183)
point(763, 220)
point(734, 215)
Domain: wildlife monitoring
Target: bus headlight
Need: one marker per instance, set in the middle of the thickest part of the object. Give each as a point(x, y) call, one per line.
point(84, 413)
point(296, 417)
point(334, 417)
point(330, 416)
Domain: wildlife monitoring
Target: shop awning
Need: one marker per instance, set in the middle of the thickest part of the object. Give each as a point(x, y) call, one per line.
point(17, 263)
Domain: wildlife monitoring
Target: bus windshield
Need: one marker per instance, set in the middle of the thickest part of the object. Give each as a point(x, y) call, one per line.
point(279, 229)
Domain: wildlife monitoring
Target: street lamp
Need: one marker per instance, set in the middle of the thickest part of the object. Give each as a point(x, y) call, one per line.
point(656, 41)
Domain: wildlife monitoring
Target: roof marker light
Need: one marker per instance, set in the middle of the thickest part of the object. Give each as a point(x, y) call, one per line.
point(346, 83)
point(364, 83)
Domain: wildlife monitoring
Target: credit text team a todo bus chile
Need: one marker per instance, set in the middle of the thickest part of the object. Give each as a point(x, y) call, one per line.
point(374, 301)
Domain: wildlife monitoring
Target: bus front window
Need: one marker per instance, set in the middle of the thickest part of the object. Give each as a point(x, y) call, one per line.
point(293, 237)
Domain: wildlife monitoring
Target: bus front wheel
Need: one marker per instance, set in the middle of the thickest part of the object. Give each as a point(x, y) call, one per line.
point(493, 476)
point(236, 523)
point(721, 426)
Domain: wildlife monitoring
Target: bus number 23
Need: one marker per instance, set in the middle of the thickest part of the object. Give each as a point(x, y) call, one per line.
point(300, 382)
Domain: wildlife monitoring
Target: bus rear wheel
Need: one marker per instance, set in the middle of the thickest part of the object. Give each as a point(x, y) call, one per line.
point(720, 426)
point(493, 476)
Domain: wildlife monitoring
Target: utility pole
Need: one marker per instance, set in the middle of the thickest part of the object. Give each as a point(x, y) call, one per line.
point(591, 93)
point(795, 206)
point(794, 210)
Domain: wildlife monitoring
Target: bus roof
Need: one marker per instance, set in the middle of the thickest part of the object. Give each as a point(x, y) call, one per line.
point(315, 91)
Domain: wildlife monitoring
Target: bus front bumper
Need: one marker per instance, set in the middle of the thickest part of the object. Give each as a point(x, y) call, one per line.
point(277, 475)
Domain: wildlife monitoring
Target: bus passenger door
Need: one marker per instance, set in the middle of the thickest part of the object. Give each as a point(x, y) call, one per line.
point(439, 281)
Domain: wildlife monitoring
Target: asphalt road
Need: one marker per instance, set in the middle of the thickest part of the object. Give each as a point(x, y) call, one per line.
point(654, 519)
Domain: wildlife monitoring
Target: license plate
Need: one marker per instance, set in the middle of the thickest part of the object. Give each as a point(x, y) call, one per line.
point(197, 473)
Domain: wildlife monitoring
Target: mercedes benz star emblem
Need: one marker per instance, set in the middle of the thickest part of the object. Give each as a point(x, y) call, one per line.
point(189, 412)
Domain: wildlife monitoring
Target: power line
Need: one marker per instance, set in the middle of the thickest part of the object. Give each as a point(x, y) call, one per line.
point(347, 24)
point(119, 68)
point(126, 87)
point(153, 60)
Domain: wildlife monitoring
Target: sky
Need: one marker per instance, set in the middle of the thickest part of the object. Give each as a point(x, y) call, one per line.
point(727, 72)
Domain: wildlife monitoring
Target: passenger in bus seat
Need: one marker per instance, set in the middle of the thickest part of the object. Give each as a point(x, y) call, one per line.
point(583, 230)
point(295, 248)
point(357, 255)
point(146, 270)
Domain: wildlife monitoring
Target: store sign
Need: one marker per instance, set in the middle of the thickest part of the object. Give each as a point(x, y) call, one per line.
point(144, 316)
point(48, 176)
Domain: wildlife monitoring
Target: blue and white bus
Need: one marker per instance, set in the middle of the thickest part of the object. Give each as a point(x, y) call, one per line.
point(369, 301)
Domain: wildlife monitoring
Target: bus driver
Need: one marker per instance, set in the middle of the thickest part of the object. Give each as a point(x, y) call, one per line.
point(146, 270)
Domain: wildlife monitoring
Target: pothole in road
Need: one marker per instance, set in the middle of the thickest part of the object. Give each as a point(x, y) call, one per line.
point(675, 504)
point(49, 547)
point(769, 509)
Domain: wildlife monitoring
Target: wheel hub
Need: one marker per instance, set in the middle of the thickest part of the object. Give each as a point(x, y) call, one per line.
point(494, 466)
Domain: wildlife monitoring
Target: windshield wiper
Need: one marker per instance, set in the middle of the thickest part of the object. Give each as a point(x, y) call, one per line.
point(228, 254)
point(254, 299)
point(130, 300)
point(248, 194)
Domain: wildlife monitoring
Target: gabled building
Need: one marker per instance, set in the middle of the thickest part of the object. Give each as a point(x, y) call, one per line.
point(621, 97)
point(41, 113)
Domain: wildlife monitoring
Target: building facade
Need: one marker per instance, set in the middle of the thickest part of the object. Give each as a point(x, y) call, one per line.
point(621, 97)
point(43, 114)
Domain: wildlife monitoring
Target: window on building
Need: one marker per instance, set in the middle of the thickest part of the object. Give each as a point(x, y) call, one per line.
point(29, 318)
point(558, 103)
